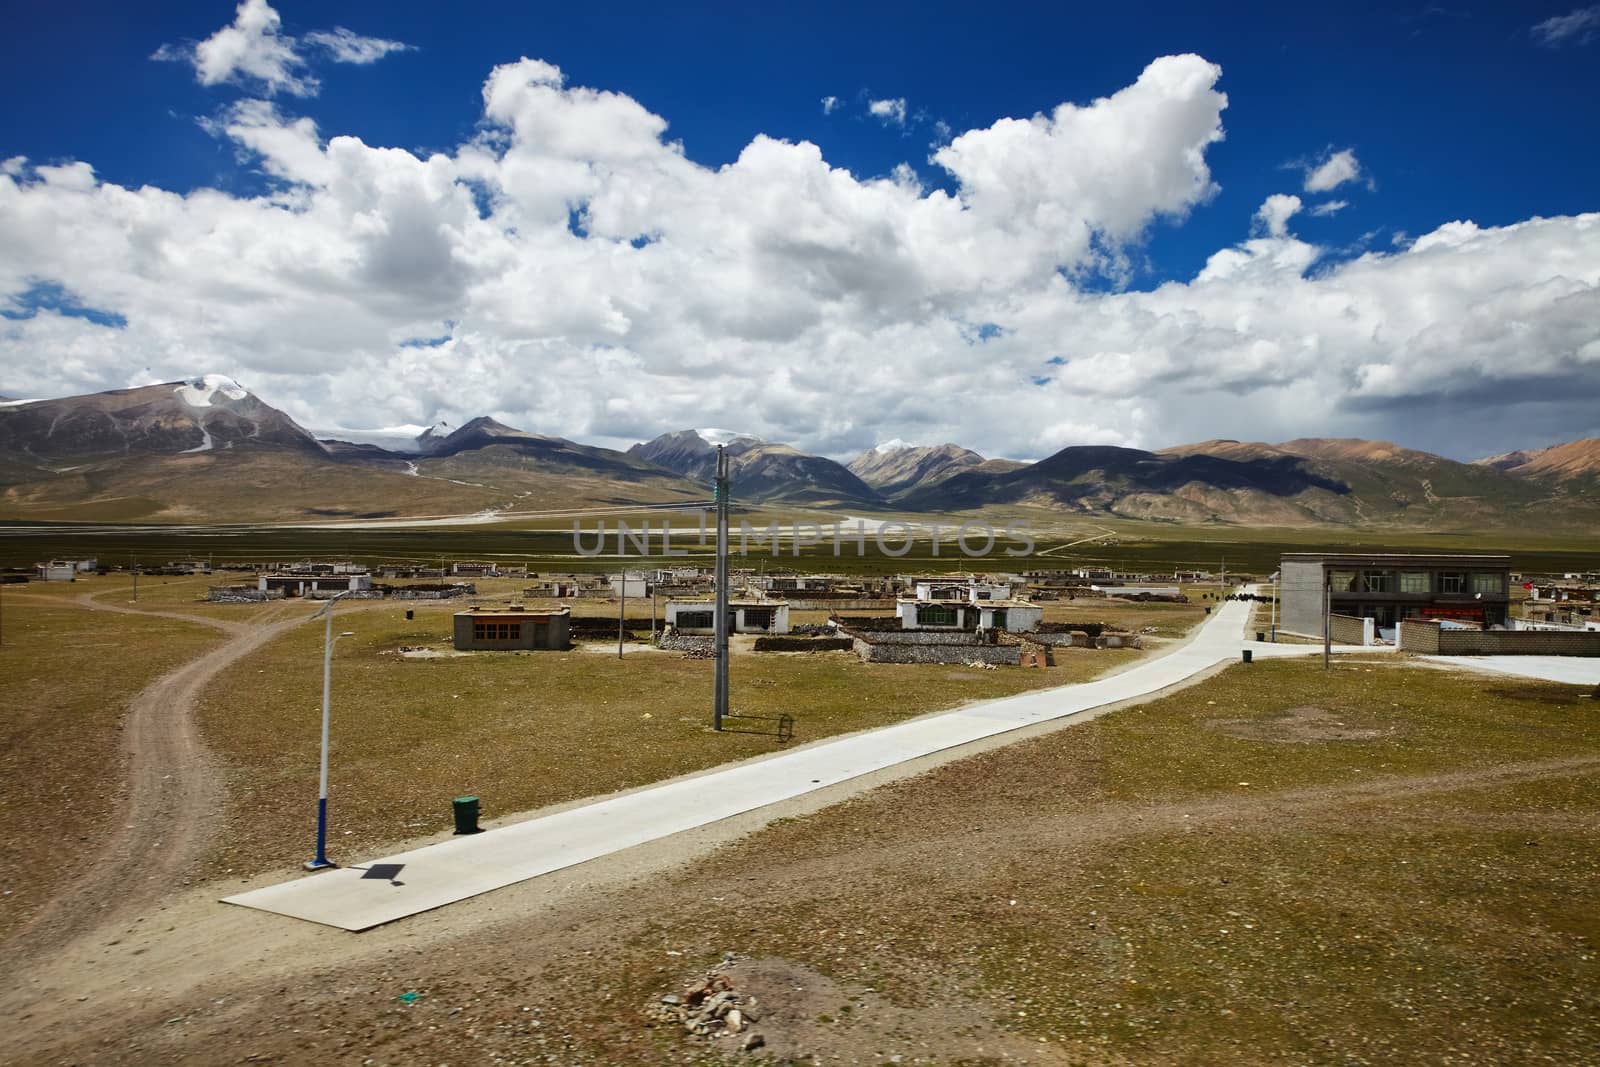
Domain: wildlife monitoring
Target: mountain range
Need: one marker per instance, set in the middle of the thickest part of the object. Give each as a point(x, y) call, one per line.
point(208, 450)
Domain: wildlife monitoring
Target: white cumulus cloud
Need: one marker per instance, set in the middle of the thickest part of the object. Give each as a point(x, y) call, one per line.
point(574, 272)
point(1275, 212)
point(891, 112)
point(1338, 168)
point(830, 104)
point(1328, 207)
point(253, 50)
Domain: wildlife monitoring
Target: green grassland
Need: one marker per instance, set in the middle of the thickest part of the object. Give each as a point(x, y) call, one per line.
point(548, 544)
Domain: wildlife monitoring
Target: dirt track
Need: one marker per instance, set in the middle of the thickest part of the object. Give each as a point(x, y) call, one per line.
point(171, 792)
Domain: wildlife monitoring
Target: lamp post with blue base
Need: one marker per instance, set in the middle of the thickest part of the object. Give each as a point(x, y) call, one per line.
point(322, 862)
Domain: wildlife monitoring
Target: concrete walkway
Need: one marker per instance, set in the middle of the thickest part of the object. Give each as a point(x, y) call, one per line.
point(1573, 670)
point(358, 898)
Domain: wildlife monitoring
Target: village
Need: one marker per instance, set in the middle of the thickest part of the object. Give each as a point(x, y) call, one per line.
point(1462, 604)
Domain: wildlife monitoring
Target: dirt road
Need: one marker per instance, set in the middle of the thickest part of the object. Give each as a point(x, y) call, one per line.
point(169, 799)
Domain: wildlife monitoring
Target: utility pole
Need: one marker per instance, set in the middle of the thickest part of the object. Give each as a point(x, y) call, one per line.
point(136, 581)
point(1327, 616)
point(1277, 579)
point(622, 609)
point(720, 615)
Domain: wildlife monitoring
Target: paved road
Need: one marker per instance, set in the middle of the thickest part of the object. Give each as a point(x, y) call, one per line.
point(381, 891)
point(1574, 670)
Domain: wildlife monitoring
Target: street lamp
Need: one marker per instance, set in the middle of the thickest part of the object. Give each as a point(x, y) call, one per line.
point(328, 640)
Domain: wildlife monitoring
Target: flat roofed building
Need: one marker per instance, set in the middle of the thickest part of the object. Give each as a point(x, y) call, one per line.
point(750, 616)
point(298, 584)
point(962, 587)
point(512, 628)
point(1388, 587)
point(1018, 616)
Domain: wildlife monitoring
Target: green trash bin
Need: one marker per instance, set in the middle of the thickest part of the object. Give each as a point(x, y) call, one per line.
point(466, 809)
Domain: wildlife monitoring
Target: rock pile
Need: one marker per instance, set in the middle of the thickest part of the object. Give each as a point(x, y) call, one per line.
point(692, 646)
point(711, 1007)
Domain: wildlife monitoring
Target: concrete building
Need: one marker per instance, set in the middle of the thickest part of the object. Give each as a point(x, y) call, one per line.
point(1140, 592)
point(56, 570)
point(1388, 587)
point(310, 584)
point(962, 587)
point(1018, 616)
point(750, 616)
point(631, 586)
point(512, 628)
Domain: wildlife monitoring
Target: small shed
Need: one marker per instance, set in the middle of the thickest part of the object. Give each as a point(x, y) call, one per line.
point(512, 628)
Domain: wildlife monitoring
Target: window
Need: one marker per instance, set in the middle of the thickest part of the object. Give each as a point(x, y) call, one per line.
point(496, 631)
point(1452, 582)
point(1487, 583)
point(931, 616)
point(1377, 581)
point(696, 620)
point(1415, 582)
point(1342, 581)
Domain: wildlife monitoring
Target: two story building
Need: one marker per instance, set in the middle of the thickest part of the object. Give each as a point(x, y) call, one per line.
point(1388, 587)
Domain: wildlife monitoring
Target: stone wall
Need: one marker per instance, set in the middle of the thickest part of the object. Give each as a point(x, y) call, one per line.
point(1350, 630)
point(838, 604)
point(921, 637)
point(241, 594)
point(804, 644)
point(1416, 635)
point(1430, 637)
point(1517, 643)
point(1069, 639)
point(429, 592)
point(1008, 655)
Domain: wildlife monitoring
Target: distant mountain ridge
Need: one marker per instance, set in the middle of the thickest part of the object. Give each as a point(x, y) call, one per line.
point(898, 468)
point(1567, 462)
point(206, 449)
point(758, 470)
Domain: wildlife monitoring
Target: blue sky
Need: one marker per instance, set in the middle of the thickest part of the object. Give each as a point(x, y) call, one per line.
point(1453, 112)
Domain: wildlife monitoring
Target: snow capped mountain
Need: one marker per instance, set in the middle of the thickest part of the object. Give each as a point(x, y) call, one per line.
point(199, 392)
point(205, 413)
point(725, 437)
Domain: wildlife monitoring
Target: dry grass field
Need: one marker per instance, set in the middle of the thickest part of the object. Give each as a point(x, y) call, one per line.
point(1383, 864)
point(521, 730)
point(69, 673)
